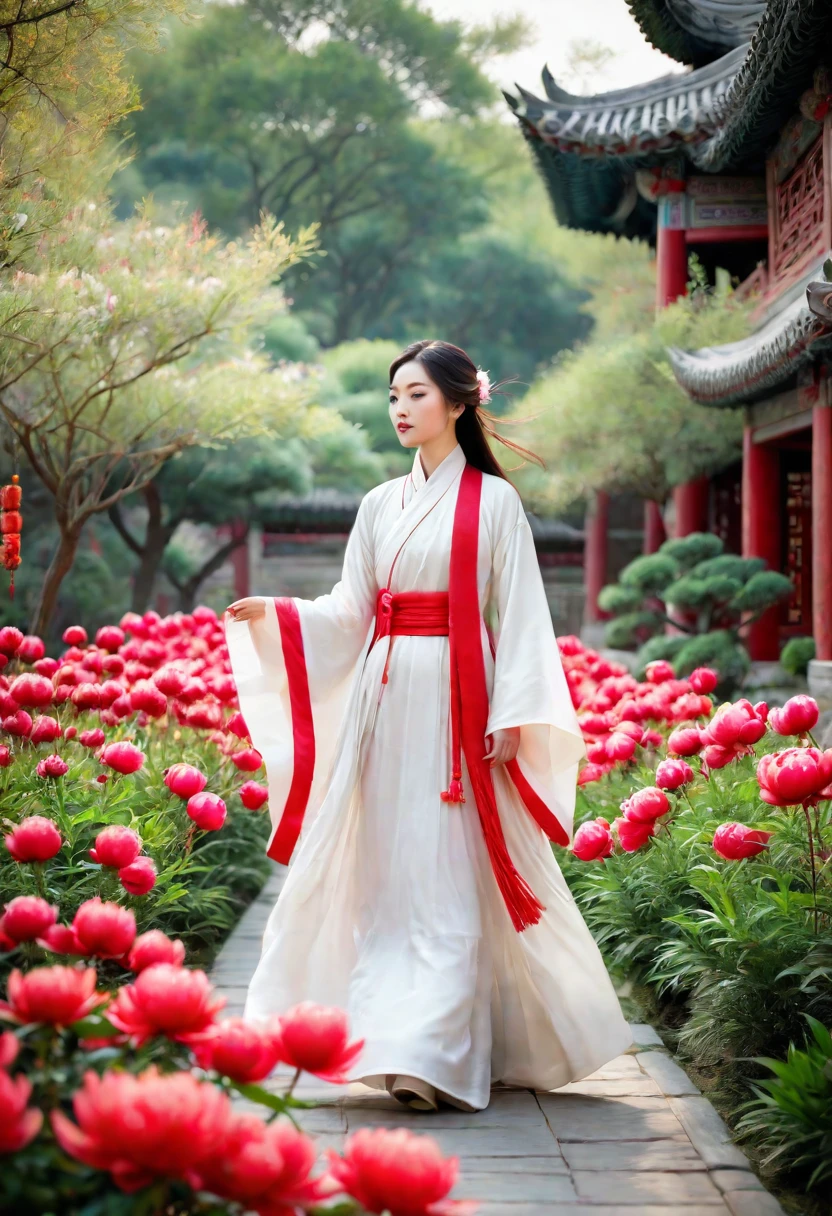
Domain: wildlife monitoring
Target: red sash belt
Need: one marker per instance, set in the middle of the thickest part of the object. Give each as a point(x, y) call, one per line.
point(417, 613)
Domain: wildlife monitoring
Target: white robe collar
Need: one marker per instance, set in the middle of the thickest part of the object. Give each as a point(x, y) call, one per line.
point(442, 475)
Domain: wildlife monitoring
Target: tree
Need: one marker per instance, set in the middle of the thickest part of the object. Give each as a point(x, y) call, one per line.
point(125, 345)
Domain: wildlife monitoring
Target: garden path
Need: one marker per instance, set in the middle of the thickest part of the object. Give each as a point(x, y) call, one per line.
point(634, 1139)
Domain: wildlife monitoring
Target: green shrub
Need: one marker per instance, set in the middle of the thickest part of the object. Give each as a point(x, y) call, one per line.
point(692, 549)
point(628, 630)
point(718, 649)
point(797, 654)
point(763, 589)
point(618, 599)
point(650, 573)
point(791, 1115)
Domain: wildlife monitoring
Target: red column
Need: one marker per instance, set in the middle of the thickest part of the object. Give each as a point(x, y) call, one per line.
point(761, 533)
point(671, 263)
point(690, 500)
point(822, 530)
point(595, 554)
point(654, 530)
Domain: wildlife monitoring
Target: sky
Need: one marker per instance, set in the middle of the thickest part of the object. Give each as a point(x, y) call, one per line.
point(558, 24)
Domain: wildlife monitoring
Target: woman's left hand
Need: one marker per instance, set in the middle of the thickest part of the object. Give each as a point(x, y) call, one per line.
point(503, 744)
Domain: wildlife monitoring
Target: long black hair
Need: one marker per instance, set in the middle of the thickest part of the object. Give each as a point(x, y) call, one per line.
point(455, 375)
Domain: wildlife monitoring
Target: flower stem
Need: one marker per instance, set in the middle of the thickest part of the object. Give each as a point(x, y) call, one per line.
point(293, 1083)
point(812, 859)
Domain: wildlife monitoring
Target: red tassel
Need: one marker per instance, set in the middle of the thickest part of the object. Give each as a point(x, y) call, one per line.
point(454, 791)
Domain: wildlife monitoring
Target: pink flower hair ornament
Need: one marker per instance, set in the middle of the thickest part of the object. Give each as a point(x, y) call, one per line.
point(485, 386)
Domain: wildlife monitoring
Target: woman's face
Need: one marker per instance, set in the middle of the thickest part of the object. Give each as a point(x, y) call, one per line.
point(418, 409)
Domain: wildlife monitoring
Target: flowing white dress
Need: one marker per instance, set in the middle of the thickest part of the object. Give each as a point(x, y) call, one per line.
point(390, 908)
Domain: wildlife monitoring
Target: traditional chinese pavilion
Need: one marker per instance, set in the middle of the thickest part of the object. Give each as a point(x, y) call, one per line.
point(730, 159)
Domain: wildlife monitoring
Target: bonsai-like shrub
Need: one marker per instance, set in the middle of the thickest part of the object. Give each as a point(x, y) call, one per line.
point(710, 597)
point(797, 655)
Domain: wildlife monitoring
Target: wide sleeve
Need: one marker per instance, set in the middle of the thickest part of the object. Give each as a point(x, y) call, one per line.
point(529, 687)
point(294, 669)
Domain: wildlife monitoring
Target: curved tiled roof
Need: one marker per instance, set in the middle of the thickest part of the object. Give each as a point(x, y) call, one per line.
point(697, 31)
point(741, 372)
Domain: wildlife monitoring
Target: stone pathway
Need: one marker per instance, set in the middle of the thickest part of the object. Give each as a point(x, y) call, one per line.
point(636, 1137)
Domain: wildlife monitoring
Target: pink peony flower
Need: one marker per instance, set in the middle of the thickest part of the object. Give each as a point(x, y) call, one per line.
point(673, 774)
point(169, 1000)
point(253, 795)
point(109, 637)
point(798, 715)
point(34, 839)
point(236, 724)
point(75, 635)
point(6, 757)
point(18, 723)
point(31, 690)
point(685, 741)
point(591, 772)
point(18, 1124)
point(238, 1050)
point(92, 738)
point(57, 996)
point(207, 810)
point(52, 766)
point(735, 841)
point(633, 834)
point(247, 760)
point(794, 776)
point(28, 916)
point(592, 840)
point(139, 876)
point(45, 730)
point(398, 1172)
point(123, 757)
point(146, 1127)
point(315, 1038)
point(185, 780)
point(703, 680)
point(659, 671)
point(646, 804)
point(104, 929)
point(155, 947)
point(116, 846)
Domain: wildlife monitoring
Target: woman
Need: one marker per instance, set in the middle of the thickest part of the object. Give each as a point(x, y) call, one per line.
point(417, 766)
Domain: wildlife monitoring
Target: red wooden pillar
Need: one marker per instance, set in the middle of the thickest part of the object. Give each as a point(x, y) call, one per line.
point(654, 530)
point(761, 535)
point(595, 554)
point(671, 263)
point(690, 500)
point(822, 530)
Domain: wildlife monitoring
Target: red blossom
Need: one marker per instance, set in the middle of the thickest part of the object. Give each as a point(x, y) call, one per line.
point(26, 917)
point(633, 834)
point(104, 929)
point(45, 729)
point(31, 690)
point(315, 1038)
point(735, 841)
point(185, 780)
point(207, 810)
point(593, 840)
point(247, 760)
point(123, 757)
point(398, 1172)
point(685, 741)
point(703, 680)
point(797, 716)
point(18, 1124)
point(35, 838)
point(57, 996)
point(168, 1000)
point(795, 776)
point(253, 795)
point(116, 846)
point(139, 876)
point(673, 774)
point(155, 947)
point(238, 1050)
point(52, 766)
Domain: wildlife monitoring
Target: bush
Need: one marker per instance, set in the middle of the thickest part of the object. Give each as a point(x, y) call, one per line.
point(797, 655)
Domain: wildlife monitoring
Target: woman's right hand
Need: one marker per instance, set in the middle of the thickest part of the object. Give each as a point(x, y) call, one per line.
point(248, 609)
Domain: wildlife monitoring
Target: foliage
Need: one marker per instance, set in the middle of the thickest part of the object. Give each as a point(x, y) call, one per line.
point(710, 596)
point(796, 655)
point(611, 416)
point(792, 1113)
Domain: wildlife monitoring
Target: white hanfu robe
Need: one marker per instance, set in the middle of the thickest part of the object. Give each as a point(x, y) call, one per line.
point(390, 907)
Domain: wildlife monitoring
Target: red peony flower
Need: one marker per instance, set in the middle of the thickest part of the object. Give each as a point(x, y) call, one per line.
point(207, 810)
point(6, 757)
point(253, 795)
point(185, 780)
point(591, 772)
point(703, 680)
point(398, 1172)
point(735, 725)
point(247, 760)
point(31, 690)
point(116, 846)
point(659, 671)
point(139, 876)
point(75, 635)
point(28, 916)
point(155, 947)
point(619, 746)
point(86, 696)
point(798, 715)
point(633, 834)
point(52, 766)
point(150, 700)
point(61, 939)
point(169, 680)
point(31, 648)
point(673, 774)
point(265, 1167)
point(123, 757)
point(646, 804)
point(9, 1047)
point(57, 996)
point(142, 1128)
point(18, 1125)
point(34, 839)
point(237, 725)
point(592, 840)
point(10, 639)
point(45, 730)
point(18, 723)
point(735, 841)
point(315, 1038)
point(169, 1000)
point(685, 741)
point(109, 637)
point(92, 738)
point(238, 1050)
point(104, 929)
point(794, 776)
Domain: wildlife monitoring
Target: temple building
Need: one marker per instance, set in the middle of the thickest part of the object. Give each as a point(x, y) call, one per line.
point(730, 159)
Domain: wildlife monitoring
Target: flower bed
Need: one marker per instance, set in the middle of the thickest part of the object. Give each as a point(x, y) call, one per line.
point(702, 865)
point(134, 836)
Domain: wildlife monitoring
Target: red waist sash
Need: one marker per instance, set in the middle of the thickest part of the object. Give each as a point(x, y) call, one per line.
point(416, 613)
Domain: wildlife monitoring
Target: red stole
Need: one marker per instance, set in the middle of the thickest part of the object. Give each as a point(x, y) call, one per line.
point(469, 716)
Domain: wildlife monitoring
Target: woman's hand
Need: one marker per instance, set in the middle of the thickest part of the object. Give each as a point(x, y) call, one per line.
point(248, 609)
point(503, 744)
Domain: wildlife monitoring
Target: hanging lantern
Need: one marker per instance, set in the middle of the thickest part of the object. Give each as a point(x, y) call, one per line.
point(11, 524)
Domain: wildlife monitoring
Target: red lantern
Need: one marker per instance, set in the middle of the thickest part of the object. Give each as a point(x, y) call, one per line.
point(11, 524)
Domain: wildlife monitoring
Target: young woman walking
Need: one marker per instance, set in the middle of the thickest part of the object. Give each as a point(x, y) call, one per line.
point(418, 765)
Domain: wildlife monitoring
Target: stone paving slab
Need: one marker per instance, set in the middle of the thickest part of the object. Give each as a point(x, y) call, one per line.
point(634, 1139)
